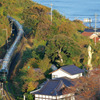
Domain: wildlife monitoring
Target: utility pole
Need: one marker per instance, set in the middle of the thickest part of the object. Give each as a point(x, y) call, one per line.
point(90, 20)
point(6, 37)
point(51, 12)
point(95, 26)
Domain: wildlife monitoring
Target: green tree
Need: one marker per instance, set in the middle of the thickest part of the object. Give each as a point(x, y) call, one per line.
point(30, 78)
point(29, 97)
point(61, 48)
point(44, 64)
point(32, 15)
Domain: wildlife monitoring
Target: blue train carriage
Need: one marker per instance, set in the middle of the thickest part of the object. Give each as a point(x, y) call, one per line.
point(3, 75)
point(6, 61)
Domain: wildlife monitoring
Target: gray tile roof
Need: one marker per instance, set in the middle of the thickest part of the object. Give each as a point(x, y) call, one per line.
point(67, 82)
point(49, 88)
point(54, 87)
point(72, 69)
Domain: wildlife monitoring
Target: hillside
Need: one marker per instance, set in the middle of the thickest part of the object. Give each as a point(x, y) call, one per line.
point(13, 8)
point(45, 43)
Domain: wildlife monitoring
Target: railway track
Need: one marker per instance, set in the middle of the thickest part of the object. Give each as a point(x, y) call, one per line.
point(4, 91)
point(7, 59)
point(4, 94)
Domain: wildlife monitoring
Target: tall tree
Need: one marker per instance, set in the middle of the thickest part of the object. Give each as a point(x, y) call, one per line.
point(63, 50)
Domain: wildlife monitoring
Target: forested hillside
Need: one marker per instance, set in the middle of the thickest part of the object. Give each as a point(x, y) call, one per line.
point(13, 8)
point(45, 43)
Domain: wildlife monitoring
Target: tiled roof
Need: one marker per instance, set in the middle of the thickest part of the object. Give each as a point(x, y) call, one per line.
point(49, 88)
point(90, 32)
point(53, 87)
point(87, 33)
point(67, 82)
point(72, 69)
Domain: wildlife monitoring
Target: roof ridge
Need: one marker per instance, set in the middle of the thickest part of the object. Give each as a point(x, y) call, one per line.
point(59, 83)
point(55, 90)
point(65, 71)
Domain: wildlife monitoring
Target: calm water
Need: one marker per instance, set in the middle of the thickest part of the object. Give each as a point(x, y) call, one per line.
point(76, 9)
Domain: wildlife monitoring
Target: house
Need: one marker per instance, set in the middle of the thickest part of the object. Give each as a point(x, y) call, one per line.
point(92, 34)
point(61, 78)
point(70, 71)
point(52, 90)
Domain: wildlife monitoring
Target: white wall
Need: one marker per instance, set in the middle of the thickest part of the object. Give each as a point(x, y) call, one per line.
point(59, 73)
point(48, 97)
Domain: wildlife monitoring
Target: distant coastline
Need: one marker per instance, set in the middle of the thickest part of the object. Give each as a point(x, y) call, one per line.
point(73, 10)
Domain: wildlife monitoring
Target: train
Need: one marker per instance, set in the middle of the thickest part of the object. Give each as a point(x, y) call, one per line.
point(7, 58)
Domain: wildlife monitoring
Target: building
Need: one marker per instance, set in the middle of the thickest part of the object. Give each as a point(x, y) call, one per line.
point(61, 78)
point(92, 34)
point(70, 72)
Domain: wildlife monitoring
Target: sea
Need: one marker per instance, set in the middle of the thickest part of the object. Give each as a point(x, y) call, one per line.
point(87, 11)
